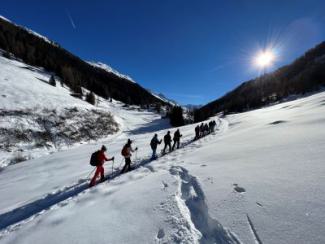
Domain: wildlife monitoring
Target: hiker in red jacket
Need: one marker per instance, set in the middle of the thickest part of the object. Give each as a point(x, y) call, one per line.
point(101, 158)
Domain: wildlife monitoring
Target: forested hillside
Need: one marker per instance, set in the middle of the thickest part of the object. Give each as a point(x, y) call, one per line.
point(36, 50)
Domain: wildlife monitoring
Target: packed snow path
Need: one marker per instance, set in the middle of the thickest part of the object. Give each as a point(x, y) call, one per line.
point(258, 180)
point(21, 213)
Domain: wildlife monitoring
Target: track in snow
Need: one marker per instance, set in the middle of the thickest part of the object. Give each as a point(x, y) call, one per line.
point(253, 230)
point(193, 196)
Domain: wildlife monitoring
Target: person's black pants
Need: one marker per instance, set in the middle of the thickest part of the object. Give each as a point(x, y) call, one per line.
point(169, 145)
point(127, 165)
point(176, 142)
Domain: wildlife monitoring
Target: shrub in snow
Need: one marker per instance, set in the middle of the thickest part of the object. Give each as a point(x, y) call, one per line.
point(18, 157)
point(50, 128)
point(6, 55)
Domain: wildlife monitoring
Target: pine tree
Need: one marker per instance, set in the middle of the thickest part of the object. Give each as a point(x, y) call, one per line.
point(90, 97)
point(77, 91)
point(52, 81)
point(176, 116)
point(158, 107)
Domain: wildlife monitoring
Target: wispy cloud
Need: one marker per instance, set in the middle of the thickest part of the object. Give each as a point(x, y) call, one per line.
point(218, 67)
point(224, 65)
point(70, 19)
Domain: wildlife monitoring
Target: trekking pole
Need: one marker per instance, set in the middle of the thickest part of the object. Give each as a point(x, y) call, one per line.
point(113, 166)
point(90, 173)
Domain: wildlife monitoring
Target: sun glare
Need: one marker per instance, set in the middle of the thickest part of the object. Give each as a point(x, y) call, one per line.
point(264, 58)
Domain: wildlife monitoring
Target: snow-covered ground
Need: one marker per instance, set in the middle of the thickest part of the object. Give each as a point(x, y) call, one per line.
point(258, 179)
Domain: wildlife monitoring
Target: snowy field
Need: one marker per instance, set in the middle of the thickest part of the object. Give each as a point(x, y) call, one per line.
point(258, 179)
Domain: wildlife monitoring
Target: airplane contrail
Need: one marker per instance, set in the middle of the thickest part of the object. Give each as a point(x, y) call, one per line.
point(71, 20)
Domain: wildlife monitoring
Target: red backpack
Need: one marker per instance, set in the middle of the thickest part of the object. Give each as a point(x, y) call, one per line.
point(124, 151)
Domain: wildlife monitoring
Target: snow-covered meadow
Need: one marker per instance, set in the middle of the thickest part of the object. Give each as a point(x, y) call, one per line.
point(258, 179)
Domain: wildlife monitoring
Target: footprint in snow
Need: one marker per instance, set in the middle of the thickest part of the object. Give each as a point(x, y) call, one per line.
point(165, 185)
point(278, 122)
point(161, 234)
point(239, 189)
point(259, 204)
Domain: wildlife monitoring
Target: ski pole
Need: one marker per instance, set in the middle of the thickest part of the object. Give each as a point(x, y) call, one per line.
point(90, 173)
point(113, 166)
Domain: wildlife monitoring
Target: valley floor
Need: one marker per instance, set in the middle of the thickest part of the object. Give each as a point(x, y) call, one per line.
point(258, 179)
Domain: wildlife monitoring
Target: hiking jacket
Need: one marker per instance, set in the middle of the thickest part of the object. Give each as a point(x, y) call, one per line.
point(167, 138)
point(102, 157)
point(177, 135)
point(154, 143)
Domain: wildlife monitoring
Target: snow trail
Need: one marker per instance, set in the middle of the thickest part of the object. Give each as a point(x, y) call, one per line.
point(26, 211)
point(193, 197)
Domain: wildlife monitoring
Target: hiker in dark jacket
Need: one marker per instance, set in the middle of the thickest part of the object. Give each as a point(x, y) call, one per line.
point(197, 132)
point(167, 141)
point(201, 130)
point(213, 123)
point(177, 137)
point(127, 153)
point(154, 144)
point(101, 158)
point(210, 126)
point(206, 129)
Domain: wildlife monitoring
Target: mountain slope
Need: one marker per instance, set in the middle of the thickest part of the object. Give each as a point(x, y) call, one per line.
point(306, 74)
point(37, 118)
point(258, 179)
point(36, 50)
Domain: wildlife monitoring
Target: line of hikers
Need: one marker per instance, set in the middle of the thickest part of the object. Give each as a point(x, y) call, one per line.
point(98, 158)
point(204, 129)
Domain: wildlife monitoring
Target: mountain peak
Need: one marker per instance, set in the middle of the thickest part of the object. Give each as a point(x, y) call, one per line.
point(109, 69)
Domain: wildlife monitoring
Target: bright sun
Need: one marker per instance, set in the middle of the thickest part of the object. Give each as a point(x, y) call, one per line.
point(264, 58)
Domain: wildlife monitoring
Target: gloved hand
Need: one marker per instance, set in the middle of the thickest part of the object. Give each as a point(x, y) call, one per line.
point(136, 149)
point(113, 158)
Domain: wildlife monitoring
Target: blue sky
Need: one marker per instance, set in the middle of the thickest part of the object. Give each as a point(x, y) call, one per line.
point(191, 51)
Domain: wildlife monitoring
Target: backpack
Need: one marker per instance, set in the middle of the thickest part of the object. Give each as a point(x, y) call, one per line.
point(94, 159)
point(124, 151)
point(153, 143)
